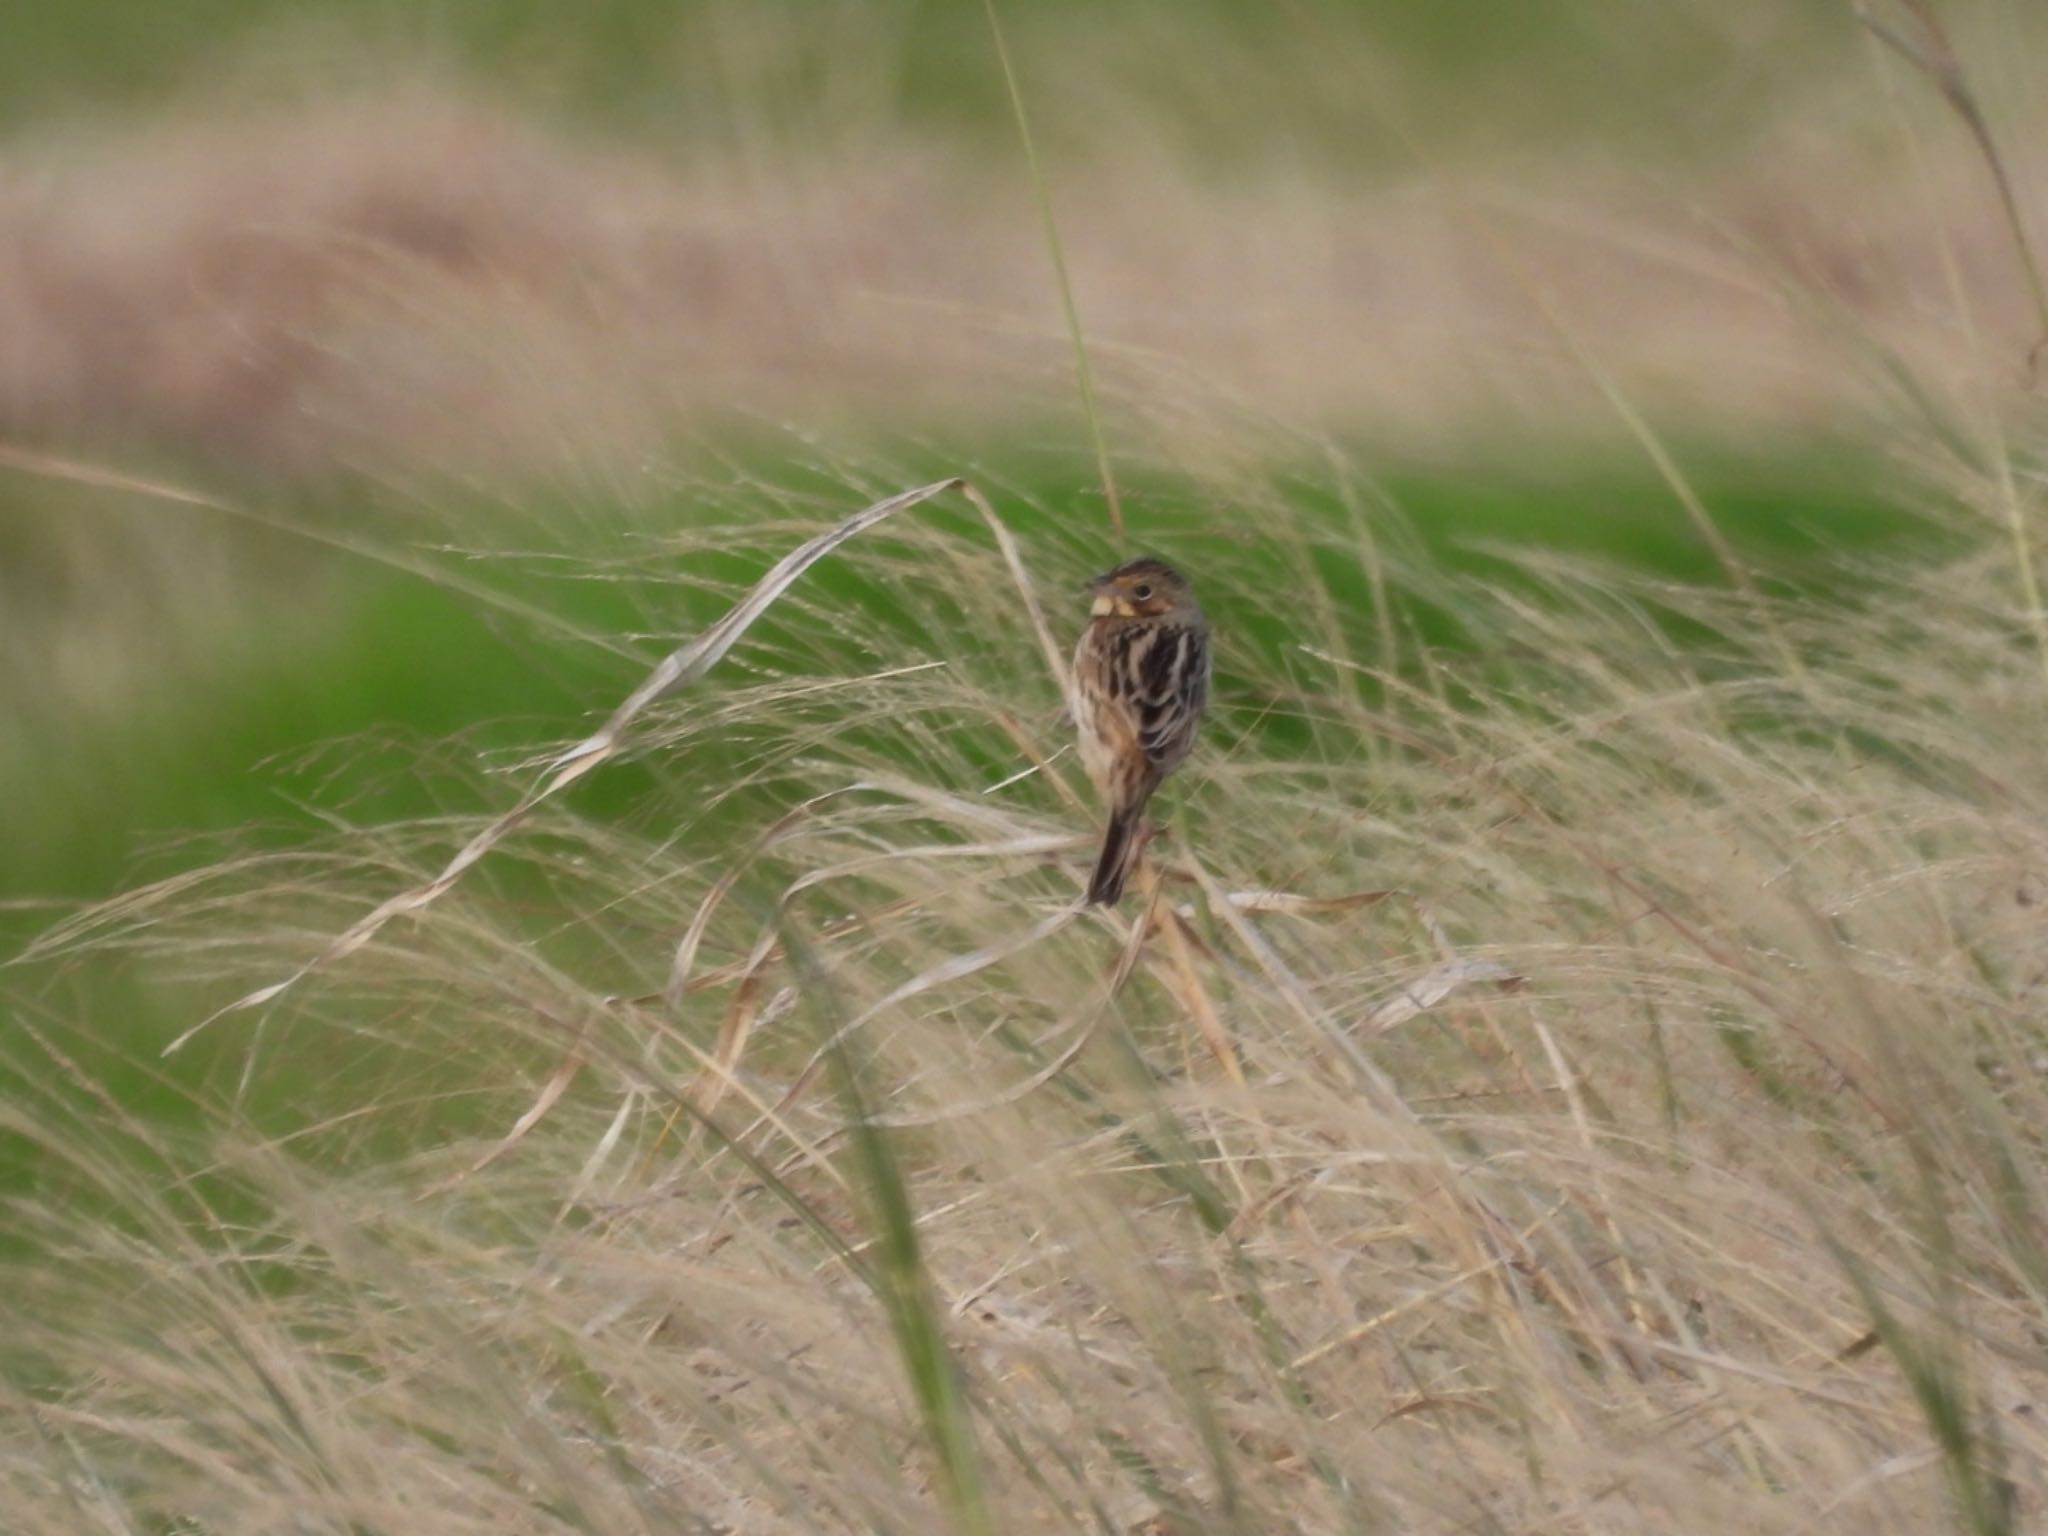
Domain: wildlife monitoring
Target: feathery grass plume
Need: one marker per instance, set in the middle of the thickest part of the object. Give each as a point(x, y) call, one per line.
point(1523, 1121)
point(1041, 193)
point(1924, 42)
point(676, 670)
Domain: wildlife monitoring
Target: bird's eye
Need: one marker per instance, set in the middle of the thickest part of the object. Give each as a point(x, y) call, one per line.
point(1142, 591)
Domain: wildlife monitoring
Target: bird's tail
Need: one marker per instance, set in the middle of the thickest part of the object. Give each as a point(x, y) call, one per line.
point(1121, 848)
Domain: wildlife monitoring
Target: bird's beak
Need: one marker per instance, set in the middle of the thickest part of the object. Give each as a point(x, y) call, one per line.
point(1104, 600)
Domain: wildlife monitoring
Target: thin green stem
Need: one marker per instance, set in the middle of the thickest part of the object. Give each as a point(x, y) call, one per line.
point(1043, 194)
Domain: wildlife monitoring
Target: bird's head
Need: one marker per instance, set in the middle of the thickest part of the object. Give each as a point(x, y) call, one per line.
point(1144, 588)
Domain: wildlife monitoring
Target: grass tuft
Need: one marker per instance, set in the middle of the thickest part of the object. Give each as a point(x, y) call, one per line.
point(1535, 1073)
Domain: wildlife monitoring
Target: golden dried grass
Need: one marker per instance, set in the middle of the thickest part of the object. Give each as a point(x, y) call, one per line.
point(1275, 1211)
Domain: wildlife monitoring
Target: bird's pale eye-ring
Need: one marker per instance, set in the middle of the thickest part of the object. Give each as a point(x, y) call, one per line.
point(1142, 591)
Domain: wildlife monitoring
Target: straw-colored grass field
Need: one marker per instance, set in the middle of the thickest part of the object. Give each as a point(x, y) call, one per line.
point(1576, 1062)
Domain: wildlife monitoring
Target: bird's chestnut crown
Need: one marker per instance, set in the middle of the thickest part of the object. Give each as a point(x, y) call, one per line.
point(1144, 588)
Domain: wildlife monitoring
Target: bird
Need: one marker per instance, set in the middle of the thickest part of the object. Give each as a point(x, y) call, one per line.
point(1140, 684)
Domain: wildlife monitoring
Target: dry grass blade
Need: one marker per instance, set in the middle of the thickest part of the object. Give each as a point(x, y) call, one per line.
point(1432, 987)
point(1187, 980)
point(686, 664)
point(1443, 1288)
point(1295, 994)
point(676, 670)
point(28, 461)
point(1126, 965)
point(1295, 905)
point(953, 968)
point(51, 467)
point(550, 1094)
point(1013, 557)
point(767, 1115)
point(1575, 1100)
point(693, 936)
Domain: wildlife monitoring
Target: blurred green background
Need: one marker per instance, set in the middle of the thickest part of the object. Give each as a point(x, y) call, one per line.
point(1229, 71)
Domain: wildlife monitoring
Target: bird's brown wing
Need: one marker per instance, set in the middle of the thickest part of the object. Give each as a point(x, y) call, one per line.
point(1167, 687)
